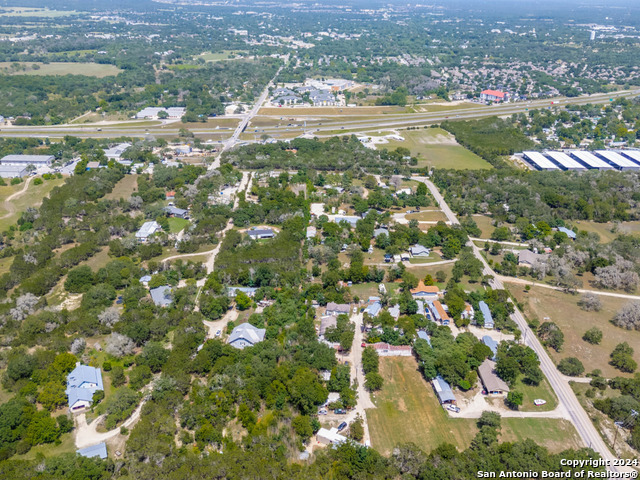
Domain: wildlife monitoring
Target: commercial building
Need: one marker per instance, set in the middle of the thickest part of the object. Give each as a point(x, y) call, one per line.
point(13, 171)
point(539, 161)
point(154, 112)
point(590, 160)
point(36, 160)
point(617, 161)
point(564, 161)
point(632, 154)
point(493, 96)
point(115, 152)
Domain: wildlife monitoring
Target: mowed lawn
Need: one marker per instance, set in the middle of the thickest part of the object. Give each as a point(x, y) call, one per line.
point(60, 68)
point(408, 411)
point(176, 224)
point(485, 224)
point(437, 148)
point(563, 309)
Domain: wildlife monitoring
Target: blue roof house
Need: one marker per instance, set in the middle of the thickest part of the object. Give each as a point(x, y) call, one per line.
point(486, 313)
point(492, 344)
point(99, 450)
point(82, 383)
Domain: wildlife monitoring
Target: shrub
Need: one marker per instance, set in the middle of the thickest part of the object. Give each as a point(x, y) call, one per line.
point(571, 367)
point(593, 336)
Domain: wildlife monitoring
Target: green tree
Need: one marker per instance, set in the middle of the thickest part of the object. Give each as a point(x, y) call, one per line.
point(52, 395)
point(302, 426)
point(515, 399)
point(370, 360)
point(593, 336)
point(373, 381)
point(243, 302)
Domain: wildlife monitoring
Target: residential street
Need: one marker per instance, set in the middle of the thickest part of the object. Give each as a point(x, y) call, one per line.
point(566, 397)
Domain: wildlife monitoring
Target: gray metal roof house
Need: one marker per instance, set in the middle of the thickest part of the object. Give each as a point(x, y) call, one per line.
point(492, 344)
point(99, 450)
point(443, 390)
point(82, 382)
point(146, 230)
point(246, 335)
point(258, 233)
point(486, 313)
point(161, 296)
point(176, 212)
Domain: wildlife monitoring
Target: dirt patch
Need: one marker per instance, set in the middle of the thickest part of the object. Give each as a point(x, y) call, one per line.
point(401, 406)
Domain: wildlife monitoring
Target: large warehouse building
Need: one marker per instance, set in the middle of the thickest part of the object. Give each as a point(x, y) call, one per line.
point(36, 160)
point(13, 171)
point(617, 161)
point(539, 161)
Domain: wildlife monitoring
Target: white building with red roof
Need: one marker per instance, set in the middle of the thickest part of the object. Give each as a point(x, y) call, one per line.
point(494, 96)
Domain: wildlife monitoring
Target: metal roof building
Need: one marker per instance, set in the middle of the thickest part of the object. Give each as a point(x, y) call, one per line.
point(617, 160)
point(246, 335)
point(565, 161)
point(492, 344)
point(443, 390)
point(486, 313)
point(590, 160)
point(13, 171)
point(539, 161)
point(115, 152)
point(632, 154)
point(37, 160)
point(99, 450)
point(161, 296)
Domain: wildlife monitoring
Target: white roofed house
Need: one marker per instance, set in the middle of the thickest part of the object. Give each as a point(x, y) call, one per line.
point(419, 251)
point(147, 230)
point(246, 335)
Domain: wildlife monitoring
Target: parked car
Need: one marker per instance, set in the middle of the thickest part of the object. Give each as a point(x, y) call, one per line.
point(538, 401)
point(339, 411)
point(453, 408)
point(342, 426)
point(218, 333)
point(322, 411)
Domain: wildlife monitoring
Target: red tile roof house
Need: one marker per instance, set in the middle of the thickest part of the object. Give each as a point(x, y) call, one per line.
point(386, 350)
point(493, 96)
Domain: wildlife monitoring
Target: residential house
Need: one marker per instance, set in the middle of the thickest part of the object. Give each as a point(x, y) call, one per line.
point(351, 220)
point(330, 437)
point(493, 384)
point(570, 233)
point(468, 313)
point(419, 251)
point(145, 279)
point(246, 335)
point(387, 350)
point(82, 382)
point(424, 336)
point(443, 391)
point(337, 309)
point(326, 322)
point(147, 230)
point(99, 450)
point(176, 212)
point(439, 313)
point(492, 344)
point(248, 291)
point(421, 310)
point(379, 231)
point(425, 292)
point(527, 258)
point(373, 309)
point(161, 296)
point(311, 231)
point(260, 233)
point(486, 313)
point(395, 311)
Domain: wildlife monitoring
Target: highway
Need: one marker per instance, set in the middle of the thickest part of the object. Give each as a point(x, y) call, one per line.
point(561, 387)
point(314, 124)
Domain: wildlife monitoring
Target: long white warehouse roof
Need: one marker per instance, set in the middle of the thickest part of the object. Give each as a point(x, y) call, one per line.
point(591, 160)
point(617, 159)
point(632, 154)
point(565, 161)
point(540, 160)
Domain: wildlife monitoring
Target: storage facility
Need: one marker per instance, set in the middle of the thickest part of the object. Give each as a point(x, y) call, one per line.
point(590, 160)
point(617, 160)
point(564, 161)
point(13, 171)
point(37, 160)
point(539, 161)
point(632, 154)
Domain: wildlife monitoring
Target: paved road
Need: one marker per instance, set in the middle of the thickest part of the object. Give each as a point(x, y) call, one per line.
point(324, 130)
point(566, 397)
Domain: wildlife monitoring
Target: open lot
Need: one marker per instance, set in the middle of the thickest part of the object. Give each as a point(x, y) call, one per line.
point(217, 57)
point(609, 231)
point(34, 12)
point(437, 148)
point(59, 68)
point(408, 411)
point(485, 225)
point(427, 216)
point(32, 197)
point(563, 309)
point(124, 188)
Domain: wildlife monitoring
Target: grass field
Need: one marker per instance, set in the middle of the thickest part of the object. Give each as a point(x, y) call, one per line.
point(408, 411)
point(31, 198)
point(563, 309)
point(609, 231)
point(50, 449)
point(427, 216)
point(124, 188)
point(485, 224)
point(177, 224)
point(437, 148)
point(59, 68)
point(35, 12)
